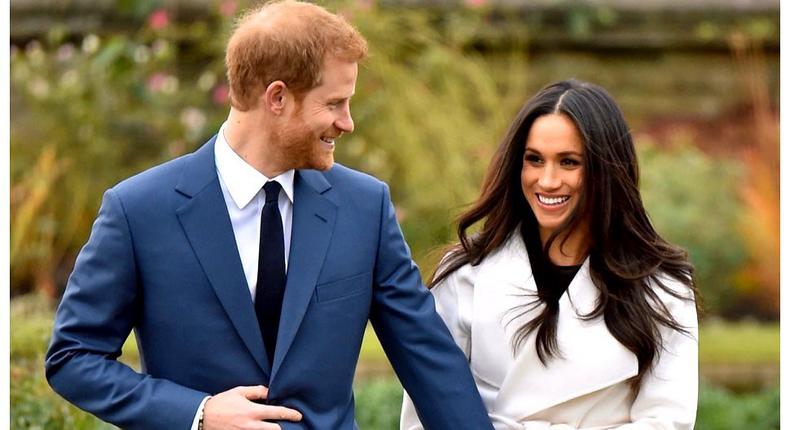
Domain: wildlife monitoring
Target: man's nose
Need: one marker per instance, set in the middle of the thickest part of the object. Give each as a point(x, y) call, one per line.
point(345, 123)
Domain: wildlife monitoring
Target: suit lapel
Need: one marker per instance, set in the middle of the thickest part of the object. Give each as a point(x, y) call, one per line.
point(207, 225)
point(313, 224)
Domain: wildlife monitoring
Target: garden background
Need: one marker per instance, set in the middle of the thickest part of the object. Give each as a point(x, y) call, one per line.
point(103, 89)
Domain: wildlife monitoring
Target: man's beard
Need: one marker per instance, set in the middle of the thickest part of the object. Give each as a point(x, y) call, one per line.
point(300, 148)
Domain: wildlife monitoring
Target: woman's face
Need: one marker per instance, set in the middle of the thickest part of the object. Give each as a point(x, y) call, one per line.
point(552, 171)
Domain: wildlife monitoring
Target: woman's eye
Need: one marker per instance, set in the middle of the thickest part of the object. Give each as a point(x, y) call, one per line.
point(570, 162)
point(532, 158)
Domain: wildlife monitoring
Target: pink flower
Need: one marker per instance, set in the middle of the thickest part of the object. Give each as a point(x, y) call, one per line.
point(365, 5)
point(475, 3)
point(220, 94)
point(156, 82)
point(158, 19)
point(65, 52)
point(227, 7)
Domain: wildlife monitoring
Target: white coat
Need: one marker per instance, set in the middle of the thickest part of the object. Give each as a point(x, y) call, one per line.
point(587, 387)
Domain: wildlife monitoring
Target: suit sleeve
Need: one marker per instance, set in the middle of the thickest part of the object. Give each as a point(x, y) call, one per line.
point(453, 298)
point(95, 316)
point(431, 367)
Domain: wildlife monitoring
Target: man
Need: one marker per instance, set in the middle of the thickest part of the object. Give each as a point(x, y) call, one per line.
point(249, 269)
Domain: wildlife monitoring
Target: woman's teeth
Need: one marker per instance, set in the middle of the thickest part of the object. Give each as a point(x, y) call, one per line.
point(552, 200)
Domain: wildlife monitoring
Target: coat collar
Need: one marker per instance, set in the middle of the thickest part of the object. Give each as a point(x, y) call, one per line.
point(591, 358)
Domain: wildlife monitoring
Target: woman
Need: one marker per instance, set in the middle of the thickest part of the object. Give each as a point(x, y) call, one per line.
point(573, 312)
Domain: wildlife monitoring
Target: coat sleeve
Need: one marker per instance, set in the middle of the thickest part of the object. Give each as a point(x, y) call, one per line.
point(667, 397)
point(429, 364)
point(453, 298)
point(96, 315)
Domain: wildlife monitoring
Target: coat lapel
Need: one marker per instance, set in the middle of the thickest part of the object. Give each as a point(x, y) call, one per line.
point(207, 225)
point(313, 224)
point(591, 358)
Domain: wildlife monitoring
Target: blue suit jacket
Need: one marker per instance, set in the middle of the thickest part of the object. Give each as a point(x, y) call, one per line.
point(162, 260)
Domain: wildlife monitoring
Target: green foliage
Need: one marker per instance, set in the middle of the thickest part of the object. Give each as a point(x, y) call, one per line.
point(86, 116)
point(429, 116)
point(378, 403)
point(721, 410)
point(104, 110)
point(35, 406)
point(31, 319)
point(429, 113)
point(371, 348)
point(693, 202)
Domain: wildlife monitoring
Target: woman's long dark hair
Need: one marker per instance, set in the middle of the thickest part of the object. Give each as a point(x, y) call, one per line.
point(627, 255)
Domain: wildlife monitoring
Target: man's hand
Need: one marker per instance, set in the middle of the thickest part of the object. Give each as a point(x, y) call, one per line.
point(235, 409)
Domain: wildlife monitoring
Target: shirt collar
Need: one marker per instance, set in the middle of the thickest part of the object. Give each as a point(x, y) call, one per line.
point(241, 179)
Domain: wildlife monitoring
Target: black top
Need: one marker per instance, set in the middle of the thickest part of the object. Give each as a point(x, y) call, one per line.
point(551, 280)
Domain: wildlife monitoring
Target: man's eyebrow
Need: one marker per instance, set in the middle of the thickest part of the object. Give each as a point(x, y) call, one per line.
point(340, 98)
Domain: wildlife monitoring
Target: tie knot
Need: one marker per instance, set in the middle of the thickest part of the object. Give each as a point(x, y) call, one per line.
point(272, 189)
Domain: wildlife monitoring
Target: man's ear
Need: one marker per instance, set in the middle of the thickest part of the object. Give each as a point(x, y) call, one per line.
point(276, 97)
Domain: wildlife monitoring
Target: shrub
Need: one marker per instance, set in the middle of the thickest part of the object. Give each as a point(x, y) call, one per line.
point(720, 409)
point(693, 202)
point(35, 406)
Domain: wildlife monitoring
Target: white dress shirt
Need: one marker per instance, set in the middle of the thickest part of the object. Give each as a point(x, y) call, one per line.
point(242, 188)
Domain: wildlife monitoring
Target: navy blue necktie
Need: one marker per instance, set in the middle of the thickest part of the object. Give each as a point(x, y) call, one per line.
point(270, 288)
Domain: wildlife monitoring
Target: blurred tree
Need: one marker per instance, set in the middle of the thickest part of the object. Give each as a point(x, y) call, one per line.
point(429, 112)
point(88, 114)
point(428, 115)
point(692, 199)
point(759, 279)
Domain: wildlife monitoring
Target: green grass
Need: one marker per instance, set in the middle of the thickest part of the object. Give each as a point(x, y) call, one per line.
point(31, 327)
point(739, 343)
point(721, 342)
point(371, 348)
